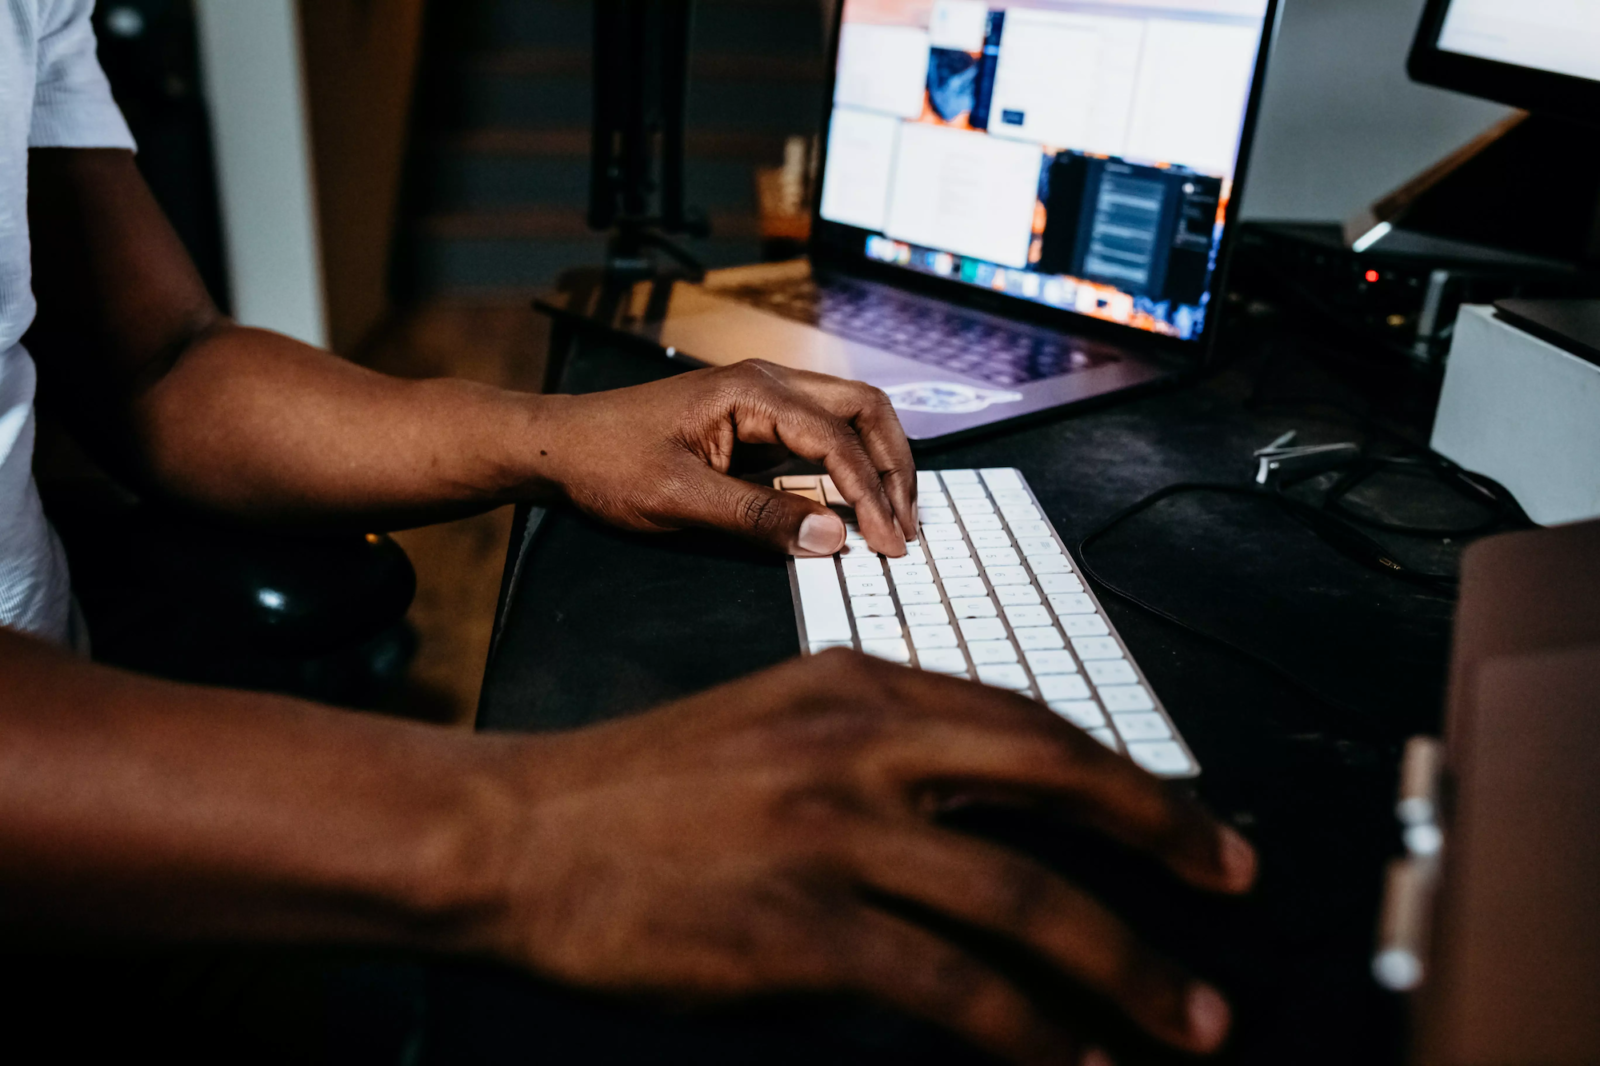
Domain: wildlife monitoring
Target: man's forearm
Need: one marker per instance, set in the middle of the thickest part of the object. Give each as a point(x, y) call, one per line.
point(132, 806)
point(258, 425)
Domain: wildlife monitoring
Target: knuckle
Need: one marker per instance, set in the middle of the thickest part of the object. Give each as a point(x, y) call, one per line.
point(761, 514)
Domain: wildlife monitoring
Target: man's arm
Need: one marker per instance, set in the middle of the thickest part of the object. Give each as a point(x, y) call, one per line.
point(184, 403)
point(771, 835)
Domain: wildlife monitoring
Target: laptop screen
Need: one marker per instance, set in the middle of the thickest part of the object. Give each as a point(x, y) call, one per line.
point(1074, 153)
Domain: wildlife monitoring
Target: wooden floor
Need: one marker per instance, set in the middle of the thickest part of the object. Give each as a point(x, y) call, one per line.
point(459, 563)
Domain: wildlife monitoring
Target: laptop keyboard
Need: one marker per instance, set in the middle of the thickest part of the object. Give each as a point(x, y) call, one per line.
point(930, 333)
point(988, 592)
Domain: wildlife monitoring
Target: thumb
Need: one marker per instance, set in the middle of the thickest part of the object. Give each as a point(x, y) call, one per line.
point(782, 520)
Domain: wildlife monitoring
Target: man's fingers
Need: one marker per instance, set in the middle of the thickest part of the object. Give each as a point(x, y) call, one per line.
point(896, 962)
point(784, 521)
point(997, 890)
point(970, 734)
point(873, 417)
point(779, 405)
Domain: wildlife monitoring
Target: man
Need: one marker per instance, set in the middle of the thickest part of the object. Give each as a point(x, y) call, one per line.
point(737, 842)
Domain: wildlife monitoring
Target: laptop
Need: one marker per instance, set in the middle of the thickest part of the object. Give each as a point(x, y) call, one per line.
point(1022, 204)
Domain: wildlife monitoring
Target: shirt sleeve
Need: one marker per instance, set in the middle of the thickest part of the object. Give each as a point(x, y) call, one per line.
point(72, 104)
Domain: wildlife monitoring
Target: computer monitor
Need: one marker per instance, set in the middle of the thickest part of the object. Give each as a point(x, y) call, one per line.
point(1080, 155)
point(1540, 55)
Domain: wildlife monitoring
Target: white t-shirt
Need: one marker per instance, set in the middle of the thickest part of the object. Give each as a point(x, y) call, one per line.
point(52, 95)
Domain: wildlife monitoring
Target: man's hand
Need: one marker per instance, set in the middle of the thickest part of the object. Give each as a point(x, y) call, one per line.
point(184, 405)
point(657, 456)
point(734, 843)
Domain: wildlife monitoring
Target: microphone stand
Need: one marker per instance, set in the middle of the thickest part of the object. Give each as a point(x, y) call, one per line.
point(636, 180)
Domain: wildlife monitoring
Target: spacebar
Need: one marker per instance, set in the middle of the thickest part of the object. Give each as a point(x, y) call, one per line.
point(821, 602)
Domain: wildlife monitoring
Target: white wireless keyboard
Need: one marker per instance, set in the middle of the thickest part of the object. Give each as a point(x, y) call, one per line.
point(988, 592)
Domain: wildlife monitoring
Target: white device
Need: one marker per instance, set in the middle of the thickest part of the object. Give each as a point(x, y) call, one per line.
point(988, 592)
point(1526, 412)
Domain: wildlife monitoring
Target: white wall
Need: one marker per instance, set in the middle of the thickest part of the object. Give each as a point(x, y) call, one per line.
point(255, 87)
point(1341, 124)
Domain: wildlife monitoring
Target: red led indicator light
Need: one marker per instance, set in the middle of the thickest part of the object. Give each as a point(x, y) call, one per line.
point(1373, 276)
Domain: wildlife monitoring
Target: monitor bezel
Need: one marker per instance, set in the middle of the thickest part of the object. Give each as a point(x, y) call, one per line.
point(834, 245)
point(1540, 91)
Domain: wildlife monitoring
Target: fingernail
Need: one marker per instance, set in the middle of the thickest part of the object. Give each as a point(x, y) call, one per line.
point(1209, 1016)
point(1238, 858)
point(1096, 1057)
point(821, 534)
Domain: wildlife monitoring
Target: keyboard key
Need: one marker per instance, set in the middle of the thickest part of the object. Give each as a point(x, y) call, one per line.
point(1097, 647)
point(942, 660)
point(1162, 757)
point(929, 637)
point(1030, 529)
point(989, 539)
point(959, 477)
point(927, 614)
point(1007, 575)
point(1083, 625)
point(878, 628)
point(1011, 499)
point(936, 516)
point(1111, 672)
point(1023, 615)
point(1039, 546)
point(858, 565)
point(868, 586)
point(1106, 737)
point(998, 557)
point(959, 492)
point(991, 652)
point(982, 523)
point(1085, 714)
point(1018, 513)
point(1120, 699)
point(966, 586)
point(912, 594)
point(798, 481)
point(893, 650)
point(822, 601)
point(1072, 603)
point(1143, 726)
point(914, 554)
point(831, 494)
point(941, 531)
point(911, 574)
point(872, 606)
point(1053, 661)
point(1060, 583)
point(974, 607)
point(1003, 479)
point(926, 499)
point(949, 549)
point(950, 568)
point(1017, 595)
point(928, 481)
point(1049, 564)
point(1040, 638)
point(1004, 675)
point(1063, 687)
point(974, 505)
point(984, 629)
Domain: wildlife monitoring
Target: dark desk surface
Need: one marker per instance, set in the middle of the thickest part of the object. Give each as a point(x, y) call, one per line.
point(599, 623)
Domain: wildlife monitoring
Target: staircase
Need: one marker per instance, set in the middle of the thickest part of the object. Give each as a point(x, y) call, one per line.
point(498, 180)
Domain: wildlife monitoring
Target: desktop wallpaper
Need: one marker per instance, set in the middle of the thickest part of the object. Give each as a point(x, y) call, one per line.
point(1075, 153)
